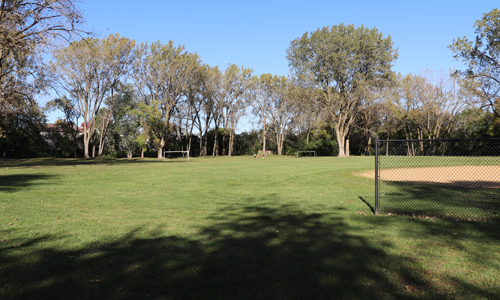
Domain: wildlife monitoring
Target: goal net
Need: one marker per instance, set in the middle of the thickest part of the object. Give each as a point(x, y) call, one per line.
point(175, 154)
point(306, 154)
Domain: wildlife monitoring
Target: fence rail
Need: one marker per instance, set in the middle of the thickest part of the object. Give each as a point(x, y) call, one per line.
point(442, 178)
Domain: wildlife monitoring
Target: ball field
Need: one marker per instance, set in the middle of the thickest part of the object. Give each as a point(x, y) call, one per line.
point(227, 228)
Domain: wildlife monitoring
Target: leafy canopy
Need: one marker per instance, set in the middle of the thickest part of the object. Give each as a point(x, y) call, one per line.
point(482, 57)
point(341, 58)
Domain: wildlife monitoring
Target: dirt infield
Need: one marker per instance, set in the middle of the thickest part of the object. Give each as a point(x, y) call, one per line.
point(462, 176)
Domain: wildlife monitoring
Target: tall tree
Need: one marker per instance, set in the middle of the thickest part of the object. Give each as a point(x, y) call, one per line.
point(125, 123)
point(206, 109)
point(151, 121)
point(428, 106)
point(161, 73)
point(234, 95)
point(262, 89)
point(122, 51)
point(307, 111)
point(482, 56)
point(281, 109)
point(68, 107)
point(193, 105)
point(88, 70)
point(343, 62)
point(27, 29)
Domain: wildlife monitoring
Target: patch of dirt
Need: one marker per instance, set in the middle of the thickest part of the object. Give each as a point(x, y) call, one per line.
point(462, 176)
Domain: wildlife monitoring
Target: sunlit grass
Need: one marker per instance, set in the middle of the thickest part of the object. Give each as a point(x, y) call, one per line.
point(230, 228)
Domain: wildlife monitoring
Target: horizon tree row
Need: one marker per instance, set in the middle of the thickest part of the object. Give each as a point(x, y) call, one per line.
point(341, 93)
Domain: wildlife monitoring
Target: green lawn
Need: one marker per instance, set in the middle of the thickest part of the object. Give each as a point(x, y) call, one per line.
point(227, 228)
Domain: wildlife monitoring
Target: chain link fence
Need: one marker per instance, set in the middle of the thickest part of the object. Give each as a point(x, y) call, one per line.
point(458, 179)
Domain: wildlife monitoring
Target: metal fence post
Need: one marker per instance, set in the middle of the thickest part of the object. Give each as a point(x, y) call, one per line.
point(376, 175)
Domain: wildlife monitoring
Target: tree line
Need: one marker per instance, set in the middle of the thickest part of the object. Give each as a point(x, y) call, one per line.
point(121, 98)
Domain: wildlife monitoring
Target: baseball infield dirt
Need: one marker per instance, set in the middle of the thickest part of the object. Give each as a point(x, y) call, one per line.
point(463, 176)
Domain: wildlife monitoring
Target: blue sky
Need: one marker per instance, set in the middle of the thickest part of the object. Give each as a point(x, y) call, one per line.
point(256, 34)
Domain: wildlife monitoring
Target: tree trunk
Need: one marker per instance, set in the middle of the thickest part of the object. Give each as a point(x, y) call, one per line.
point(387, 146)
point(369, 145)
point(231, 143)
point(201, 145)
point(205, 147)
point(341, 137)
point(75, 133)
point(216, 143)
point(179, 134)
point(129, 154)
point(105, 127)
point(103, 136)
point(421, 137)
point(160, 148)
point(160, 152)
point(86, 139)
point(86, 142)
point(224, 143)
point(93, 151)
point(264, 138)
point(279, 141)
point(347, 149)
point(142, 153)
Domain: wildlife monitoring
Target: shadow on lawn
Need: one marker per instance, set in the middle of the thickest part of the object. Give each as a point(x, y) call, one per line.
point(255, 253)
point(15, 182)
point(368, 204)
point(448, 201)
point(33, 162)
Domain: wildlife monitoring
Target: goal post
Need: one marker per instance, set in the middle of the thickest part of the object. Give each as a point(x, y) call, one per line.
point(313, 152)
point(184, 154)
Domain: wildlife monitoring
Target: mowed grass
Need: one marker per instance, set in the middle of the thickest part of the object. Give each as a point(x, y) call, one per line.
point(227, 228)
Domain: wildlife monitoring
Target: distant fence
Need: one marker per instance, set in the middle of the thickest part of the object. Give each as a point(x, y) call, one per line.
point(458, 179)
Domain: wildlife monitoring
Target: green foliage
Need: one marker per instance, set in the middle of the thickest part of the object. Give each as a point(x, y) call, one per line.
point(342, 59)
point(88, 70)
point(321, 141)
point(343, 62)
point(482, 56)
point(125, 123)
point(150, 119)
point(20, 132)
point(247, 143)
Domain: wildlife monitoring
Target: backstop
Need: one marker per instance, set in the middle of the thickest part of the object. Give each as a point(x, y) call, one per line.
point(442, 178)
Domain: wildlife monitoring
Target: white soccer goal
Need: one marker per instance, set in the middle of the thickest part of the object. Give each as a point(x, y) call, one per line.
point(313, 152)
point(184, 153)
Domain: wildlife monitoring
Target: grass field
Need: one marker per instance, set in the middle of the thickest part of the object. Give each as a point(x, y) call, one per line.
point(227, 228)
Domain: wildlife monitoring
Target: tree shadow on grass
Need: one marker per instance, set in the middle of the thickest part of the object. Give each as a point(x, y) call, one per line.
point(34, 162)
point(256, 253)
point(14, 182)
point(448, 201)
